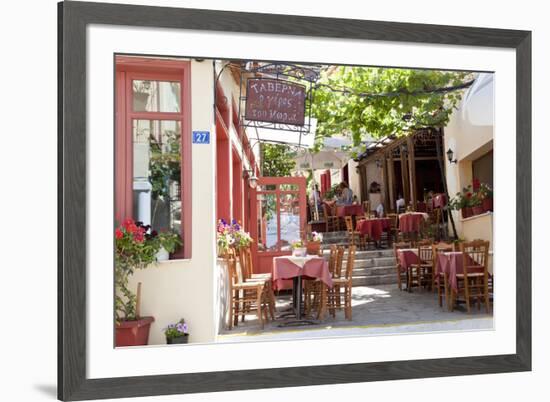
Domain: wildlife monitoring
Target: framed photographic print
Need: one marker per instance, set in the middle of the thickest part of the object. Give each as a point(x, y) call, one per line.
point(257, 201)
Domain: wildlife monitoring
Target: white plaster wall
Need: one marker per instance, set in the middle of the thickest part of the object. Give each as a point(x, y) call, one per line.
point(186, 288)
point(469, 135)
point(354, 179)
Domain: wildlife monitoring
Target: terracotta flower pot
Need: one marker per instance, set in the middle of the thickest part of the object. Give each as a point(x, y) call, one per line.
point(478, 210)
point(178, 339)
point(133, 333)
point(466, 212)
point(487, 204)
point(313, 247)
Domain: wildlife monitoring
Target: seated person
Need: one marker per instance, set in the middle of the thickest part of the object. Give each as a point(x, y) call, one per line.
point(345, 196)
point(400, 204)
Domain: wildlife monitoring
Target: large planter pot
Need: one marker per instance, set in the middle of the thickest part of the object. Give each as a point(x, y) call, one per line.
point(133, 333)
point(478, 210)
point(466, 212)
point(313, 247)
point(178, 339)
point(487, 204)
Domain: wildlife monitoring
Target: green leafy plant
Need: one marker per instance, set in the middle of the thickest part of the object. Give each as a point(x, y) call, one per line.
point(377, 102)
point(297, 244)
point(136, 246)
point(277, 160)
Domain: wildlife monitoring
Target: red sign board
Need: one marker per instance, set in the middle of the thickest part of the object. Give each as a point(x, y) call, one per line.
point(275, 101)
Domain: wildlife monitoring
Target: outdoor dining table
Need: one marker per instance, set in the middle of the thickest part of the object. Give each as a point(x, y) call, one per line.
point(373, 227)
point(296, 268)
point(450, 264)
point(411, 222)
point(349, 210)
point(407, 257)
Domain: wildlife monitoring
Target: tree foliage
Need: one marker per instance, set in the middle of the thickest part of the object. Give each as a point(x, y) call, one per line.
point(361, 110)
point(277, 160)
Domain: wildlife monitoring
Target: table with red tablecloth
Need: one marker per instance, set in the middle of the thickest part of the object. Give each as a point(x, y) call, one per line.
point(407, 257)
point(296, 268)
point(373, 227)
point(450, 263)
point(349, 210)
point(411, 222)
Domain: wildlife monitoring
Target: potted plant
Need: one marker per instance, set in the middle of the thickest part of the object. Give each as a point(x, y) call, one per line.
point(169, 242)
point(298, 248)
point(231, 236)
point(486, 195)
point(475, 202)
point(136, 247)
point(313, 245)
point(177, 333)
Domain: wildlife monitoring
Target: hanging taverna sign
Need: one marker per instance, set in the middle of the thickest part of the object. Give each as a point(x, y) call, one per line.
point(275, 101)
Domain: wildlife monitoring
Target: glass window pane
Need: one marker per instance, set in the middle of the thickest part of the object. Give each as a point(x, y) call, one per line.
point(157, 173)
point(290, 220)
point(156, 96)
point(267, 222)
point(289, 187)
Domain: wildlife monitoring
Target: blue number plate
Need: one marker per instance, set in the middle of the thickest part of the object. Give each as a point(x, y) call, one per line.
point(201, 137)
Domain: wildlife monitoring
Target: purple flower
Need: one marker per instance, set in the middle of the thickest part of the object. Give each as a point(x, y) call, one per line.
point(185, 328)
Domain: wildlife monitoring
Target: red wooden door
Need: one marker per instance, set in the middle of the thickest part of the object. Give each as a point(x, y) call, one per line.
point(278, 217)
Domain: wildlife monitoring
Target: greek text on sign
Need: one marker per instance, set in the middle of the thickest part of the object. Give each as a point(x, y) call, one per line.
point(275, 101)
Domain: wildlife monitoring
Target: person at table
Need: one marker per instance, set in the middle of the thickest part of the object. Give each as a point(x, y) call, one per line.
point(345, 196)
point(400, 204)
point(380, 210)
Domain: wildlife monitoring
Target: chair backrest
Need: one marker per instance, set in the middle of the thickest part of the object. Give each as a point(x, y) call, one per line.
point(440, 248)
point(328, 209)
point(425, 252)
point(400, 245)
point(339, 261)
point(393, 220)
point(366, 208)
point(350, 263)
point(232, 268)
point(332, 259)
point(475, 255)
point(349, 223)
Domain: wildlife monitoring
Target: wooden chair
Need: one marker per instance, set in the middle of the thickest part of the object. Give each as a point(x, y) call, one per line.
point(401, 275)
point(315, 292)
point(442, 283)
point(421, 273)
point(354, 237)
point(393, 233)
point(332, 222)
point(245, 296)
point(473, 282)
point(366, 208)
point(248, 275)
point(343, 283)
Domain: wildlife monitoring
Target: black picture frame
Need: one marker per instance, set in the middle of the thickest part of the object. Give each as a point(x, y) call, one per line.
point(73, 18)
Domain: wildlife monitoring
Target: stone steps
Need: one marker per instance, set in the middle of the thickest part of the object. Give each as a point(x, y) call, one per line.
point(372, 267)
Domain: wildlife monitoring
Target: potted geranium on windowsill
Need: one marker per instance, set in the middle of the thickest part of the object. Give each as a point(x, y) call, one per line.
point(177, 333)
point(485, 194)
point(314, 243)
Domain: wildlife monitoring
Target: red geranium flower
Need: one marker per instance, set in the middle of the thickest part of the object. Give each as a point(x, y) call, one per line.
point(131, 228)
point(127, 222)
point(118, 233)
point(138, 236)
point(468, 195)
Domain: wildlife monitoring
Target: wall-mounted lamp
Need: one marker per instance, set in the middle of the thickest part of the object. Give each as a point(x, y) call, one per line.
point(252, 179)
point(450, 154)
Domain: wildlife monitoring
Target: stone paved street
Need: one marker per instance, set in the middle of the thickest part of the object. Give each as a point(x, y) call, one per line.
point(380, 309)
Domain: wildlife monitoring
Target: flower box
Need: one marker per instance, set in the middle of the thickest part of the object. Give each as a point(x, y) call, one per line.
point(313, 247)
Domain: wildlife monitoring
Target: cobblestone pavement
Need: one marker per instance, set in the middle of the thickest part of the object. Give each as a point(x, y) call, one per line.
point(380, 309)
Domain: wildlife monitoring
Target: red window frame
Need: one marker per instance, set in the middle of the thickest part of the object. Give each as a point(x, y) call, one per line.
point(128, 69)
